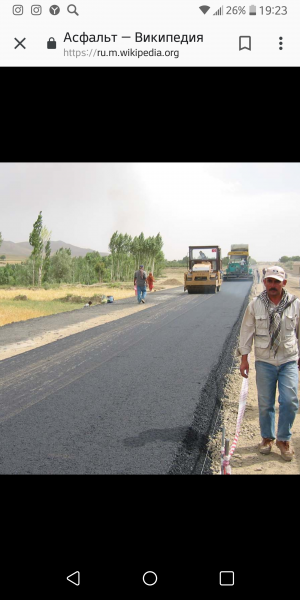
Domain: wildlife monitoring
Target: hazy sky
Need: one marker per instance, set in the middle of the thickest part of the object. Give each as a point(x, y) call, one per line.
point(188, 203)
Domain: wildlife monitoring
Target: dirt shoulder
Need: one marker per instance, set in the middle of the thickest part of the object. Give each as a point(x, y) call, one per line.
point(172, 278)
point(47, 337)
point(246, 459)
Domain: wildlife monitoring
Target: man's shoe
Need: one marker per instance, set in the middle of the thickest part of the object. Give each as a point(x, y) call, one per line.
point(143, 301)
point(286, 450)
point(266, 445)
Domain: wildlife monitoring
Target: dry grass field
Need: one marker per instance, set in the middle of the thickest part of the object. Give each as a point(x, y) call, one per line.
point(42, 302)
point(11, 259)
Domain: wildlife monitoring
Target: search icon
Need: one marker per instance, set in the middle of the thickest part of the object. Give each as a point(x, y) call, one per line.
point(72, 11)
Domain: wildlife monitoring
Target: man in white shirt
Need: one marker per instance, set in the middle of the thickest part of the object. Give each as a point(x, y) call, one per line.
point(272, 321)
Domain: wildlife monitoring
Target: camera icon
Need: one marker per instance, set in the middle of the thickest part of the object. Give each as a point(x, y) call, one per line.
point(17, 9)
point(36, 9)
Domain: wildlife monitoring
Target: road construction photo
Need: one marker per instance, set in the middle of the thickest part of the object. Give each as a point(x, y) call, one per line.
point(149, 326)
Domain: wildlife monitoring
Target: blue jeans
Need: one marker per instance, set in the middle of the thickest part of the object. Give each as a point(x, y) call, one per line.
point(141, 294)
point(267, 376)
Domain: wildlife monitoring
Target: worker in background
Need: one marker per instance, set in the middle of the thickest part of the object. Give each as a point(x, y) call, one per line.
point(272, 321)
point(150, 280)
point(140, 278)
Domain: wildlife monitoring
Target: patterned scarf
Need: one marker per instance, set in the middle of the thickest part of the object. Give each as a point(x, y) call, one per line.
point(275, 315)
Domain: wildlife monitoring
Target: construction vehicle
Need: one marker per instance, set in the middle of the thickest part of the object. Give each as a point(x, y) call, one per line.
point(238, 266)
point(204, 270)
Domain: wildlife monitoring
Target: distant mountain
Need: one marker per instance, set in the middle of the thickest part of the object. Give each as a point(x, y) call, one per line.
point(12, 248)
point(24, 249)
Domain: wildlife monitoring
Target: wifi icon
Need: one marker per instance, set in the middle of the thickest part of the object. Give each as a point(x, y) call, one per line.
point(204, 9)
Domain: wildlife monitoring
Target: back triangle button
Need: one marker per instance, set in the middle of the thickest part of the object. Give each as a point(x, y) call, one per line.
point(74, 578)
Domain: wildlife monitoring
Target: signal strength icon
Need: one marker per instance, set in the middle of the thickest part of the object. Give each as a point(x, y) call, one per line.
point(219, 12)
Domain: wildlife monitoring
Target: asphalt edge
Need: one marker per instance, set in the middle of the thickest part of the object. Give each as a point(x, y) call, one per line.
point(192, 457)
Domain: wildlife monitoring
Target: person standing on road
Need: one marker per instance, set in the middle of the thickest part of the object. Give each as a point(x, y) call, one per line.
point(243, 265)
point(272, 321)
point(140, 278)
point(150, 281)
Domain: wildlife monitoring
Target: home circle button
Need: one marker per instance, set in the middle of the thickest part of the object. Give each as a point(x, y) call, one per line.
point(149, 578)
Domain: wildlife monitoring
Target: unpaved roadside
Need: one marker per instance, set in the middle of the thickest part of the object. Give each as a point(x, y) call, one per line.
point(246, 459)
point(46, 337)
point(8, 350)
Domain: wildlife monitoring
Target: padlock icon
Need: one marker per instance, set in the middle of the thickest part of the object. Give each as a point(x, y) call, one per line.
point(51, 44)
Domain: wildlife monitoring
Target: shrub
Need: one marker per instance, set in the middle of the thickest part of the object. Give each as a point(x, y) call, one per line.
point(73, 299)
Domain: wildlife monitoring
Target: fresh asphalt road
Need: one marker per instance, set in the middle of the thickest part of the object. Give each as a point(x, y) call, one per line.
point(118, 398)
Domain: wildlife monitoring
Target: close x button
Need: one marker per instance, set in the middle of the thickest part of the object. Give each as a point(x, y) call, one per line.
point(20, 43)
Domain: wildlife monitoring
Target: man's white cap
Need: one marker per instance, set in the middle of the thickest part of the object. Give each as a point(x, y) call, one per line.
point(275, 272)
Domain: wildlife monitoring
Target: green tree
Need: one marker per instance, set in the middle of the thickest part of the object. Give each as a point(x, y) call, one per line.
point(40, 240)
point(23, 273)
point(137, 250)
point(35, 240)
point(61, 265)
point(157, 251)
point(1, 240)
point(46, 265)
point(45, 257)
point(77, 266)
point(7, 275)
point(121, 256)
point(100, 269)
point(284, 259)
point(151, 252)
point(177, 263)
point(113, 247)
point(127, 254)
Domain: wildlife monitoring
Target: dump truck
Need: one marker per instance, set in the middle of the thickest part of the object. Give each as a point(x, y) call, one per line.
point(203, 274)
point(238, 265)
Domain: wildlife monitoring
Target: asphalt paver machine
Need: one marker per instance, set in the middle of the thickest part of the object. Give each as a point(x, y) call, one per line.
point(238, 265)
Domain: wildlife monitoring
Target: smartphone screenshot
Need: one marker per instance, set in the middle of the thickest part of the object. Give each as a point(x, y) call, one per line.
point(89, 531)
point(149, 33)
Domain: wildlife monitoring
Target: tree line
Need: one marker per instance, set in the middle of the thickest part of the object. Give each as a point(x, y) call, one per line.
point(126, 254)
point(177, 263)
point(285, 259)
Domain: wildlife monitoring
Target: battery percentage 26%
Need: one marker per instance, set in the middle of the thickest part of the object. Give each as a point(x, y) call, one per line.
point(236, 10)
